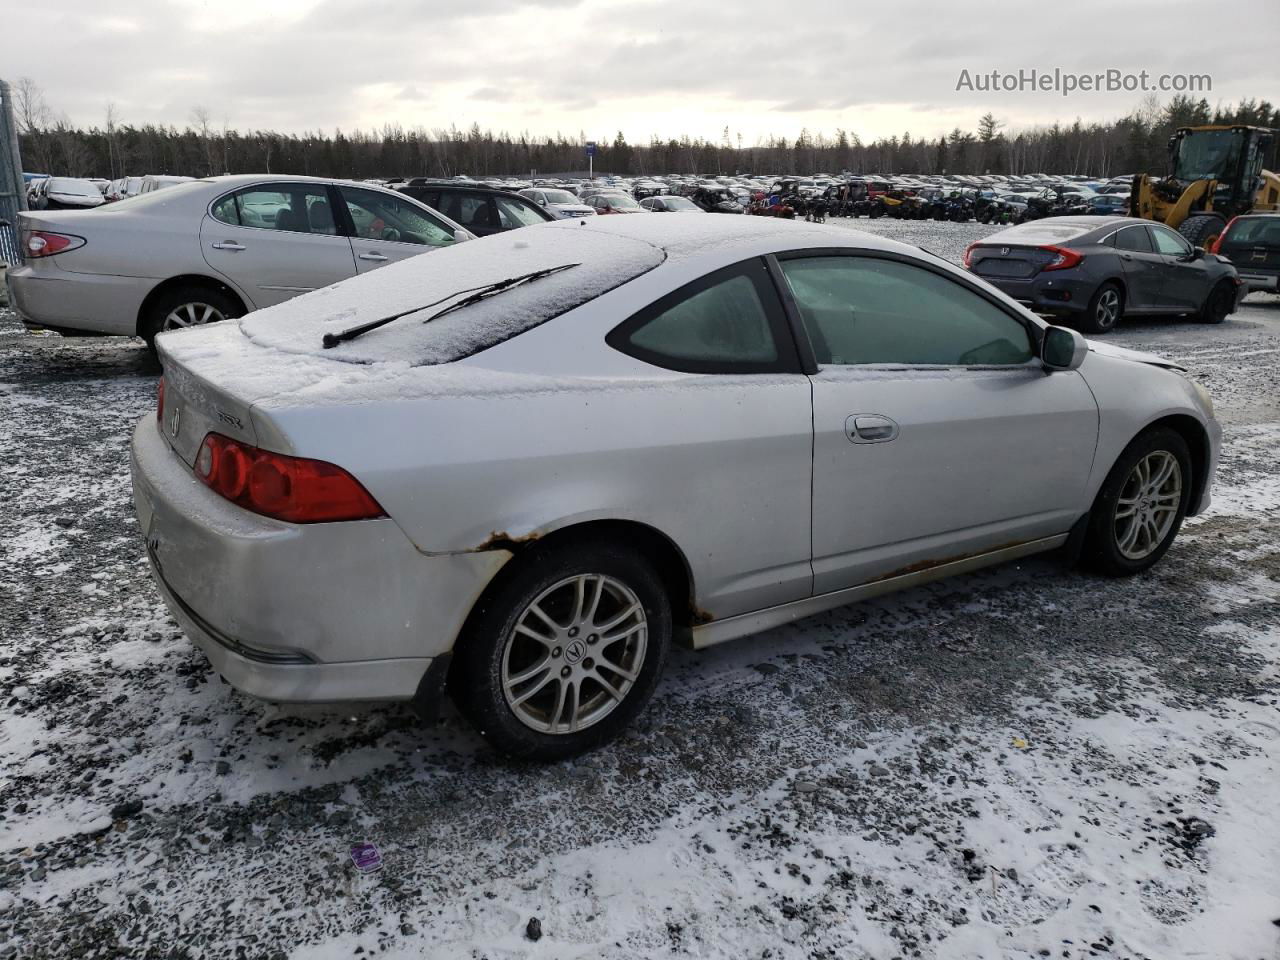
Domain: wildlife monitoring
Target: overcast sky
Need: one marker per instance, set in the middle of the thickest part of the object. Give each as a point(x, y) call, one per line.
point(669, 67)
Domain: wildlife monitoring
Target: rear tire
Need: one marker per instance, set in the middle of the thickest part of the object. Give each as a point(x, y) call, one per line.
point(187, 307)
point(1220, 302)
point(1106, 306)
point(521, 691)
point(1141, 505)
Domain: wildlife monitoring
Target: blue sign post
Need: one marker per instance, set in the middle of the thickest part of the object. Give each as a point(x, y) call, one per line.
point(591, 153)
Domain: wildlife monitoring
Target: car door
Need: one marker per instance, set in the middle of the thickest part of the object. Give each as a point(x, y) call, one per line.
point(386, 227)
point(276, 240)
point(1144, 269)
point(1186, 276)
point(937, 433)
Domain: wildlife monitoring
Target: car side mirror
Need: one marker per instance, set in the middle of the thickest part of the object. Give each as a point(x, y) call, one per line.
point(1063, 349)
point(460, 235)
point(1197, 253)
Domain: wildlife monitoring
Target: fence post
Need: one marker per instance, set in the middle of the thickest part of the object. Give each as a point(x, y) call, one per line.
point(13, 189)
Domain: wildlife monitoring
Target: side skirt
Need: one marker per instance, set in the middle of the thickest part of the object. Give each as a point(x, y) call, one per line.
point(730, 628)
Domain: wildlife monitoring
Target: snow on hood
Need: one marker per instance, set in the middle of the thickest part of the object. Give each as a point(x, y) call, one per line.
point(1137, 356)
point(603, 262)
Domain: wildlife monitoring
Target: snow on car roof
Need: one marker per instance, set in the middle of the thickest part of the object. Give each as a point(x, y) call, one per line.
point(602, 263)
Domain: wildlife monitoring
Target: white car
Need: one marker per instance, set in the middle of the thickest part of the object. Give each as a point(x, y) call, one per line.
point(68, 193)
point(153, 183)
point(520, 468)
point(207, 250)
point(561, 204)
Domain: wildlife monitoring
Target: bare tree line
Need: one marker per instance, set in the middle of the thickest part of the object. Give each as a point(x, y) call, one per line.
point(1132, 143)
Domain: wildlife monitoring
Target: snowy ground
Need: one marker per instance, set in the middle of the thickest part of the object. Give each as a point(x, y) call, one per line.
point(1023, 762)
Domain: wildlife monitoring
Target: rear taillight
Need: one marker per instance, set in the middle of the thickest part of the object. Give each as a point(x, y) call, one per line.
point(42, 243)
point(1064, 258)
point(968, 255)
point(286, 488)
point(1217, 241)
point(160, 402)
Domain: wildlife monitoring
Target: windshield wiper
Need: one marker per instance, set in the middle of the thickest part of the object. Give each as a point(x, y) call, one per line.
point(477, 294)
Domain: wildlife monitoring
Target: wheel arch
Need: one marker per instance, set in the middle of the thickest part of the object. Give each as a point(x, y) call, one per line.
point(1197, 437)
point(186, 280)
point(668, 560)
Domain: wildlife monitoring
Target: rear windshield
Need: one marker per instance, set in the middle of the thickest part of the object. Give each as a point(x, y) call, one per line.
point(604, 261)
point(1041, 232)
point(1257, 230)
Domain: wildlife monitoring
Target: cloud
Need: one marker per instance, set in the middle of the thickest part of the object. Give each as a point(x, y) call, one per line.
point(669, 67)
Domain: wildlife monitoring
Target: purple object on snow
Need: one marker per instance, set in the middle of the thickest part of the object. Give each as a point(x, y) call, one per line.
point(366, 857)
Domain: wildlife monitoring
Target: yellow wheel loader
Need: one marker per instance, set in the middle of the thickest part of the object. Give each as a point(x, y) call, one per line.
point(1215, 173)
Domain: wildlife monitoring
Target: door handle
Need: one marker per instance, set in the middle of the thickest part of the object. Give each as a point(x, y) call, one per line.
point(870, 428)
point(374, 255)
point(228, 245)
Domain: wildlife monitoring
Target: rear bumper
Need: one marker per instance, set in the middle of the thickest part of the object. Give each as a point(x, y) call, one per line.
point(1256, 279)
point(81, 302)
point(1053, 295)
point(298, 612)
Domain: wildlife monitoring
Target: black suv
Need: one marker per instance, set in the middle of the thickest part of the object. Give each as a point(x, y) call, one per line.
point(482, 210)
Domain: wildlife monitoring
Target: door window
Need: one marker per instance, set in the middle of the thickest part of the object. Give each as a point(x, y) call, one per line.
point(393, 219)
point(1134, 239)
point(516, 213)
point(1170, 243)
point(295, 208)
point(862, 310)
point(728, 322)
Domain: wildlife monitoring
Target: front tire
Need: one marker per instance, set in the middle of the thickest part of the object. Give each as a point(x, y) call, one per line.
point(1141, 505)
point(1220, 302)
point(565, 652)
point(1104, 310)
point(1200, 230)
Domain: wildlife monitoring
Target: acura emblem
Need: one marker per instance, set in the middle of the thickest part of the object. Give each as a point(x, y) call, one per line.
point(1004, 251)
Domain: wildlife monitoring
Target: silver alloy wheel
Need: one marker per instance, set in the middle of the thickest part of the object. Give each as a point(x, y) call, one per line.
point(1108, 311)
point(1148, 504)
point(192, 314)
point(574, 654)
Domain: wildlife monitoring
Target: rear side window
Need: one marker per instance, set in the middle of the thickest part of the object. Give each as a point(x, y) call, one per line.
point(730, 321)
point(1134, 239)
point(863, 310)
point(293, 208)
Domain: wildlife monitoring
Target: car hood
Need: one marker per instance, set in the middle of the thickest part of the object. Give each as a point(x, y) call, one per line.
point(1137, 356)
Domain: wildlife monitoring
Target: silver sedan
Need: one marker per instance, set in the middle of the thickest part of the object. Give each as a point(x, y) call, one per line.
point(517, 470)
point(206, 250)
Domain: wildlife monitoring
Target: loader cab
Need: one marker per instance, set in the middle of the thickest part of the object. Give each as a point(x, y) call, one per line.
point(1233, 156)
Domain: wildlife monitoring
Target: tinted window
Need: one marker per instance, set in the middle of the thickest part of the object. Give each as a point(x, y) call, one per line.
point(728, 322)
point(516, 213)
point(1169, 242)
point(1135, 239)
point(1264, 231)
point(393, 219)
point(861, 310)
point(469, 209)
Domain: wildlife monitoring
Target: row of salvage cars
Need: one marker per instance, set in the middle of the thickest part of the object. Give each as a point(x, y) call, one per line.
point(516, 471)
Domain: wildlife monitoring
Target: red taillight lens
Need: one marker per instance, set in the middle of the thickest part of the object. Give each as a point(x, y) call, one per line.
point(1064, 259)
point(287, 488)
point(160, 402)
point(41, 243)
point(968, 256)
point(1216, 246)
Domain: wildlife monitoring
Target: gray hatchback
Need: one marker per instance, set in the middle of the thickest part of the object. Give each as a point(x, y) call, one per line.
point(1094, 271)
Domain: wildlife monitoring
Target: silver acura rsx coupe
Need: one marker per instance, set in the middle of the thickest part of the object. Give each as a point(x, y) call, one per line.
point(519, 469)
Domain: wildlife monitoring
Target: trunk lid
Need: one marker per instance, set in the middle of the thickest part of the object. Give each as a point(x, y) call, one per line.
point(195, 405)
